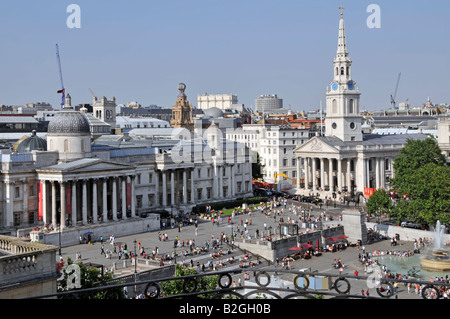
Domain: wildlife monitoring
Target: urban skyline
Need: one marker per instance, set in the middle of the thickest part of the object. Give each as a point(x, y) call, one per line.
point(141, 50)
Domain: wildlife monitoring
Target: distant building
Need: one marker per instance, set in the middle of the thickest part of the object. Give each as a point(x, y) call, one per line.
point(221, 101)
point(268, 103)
point(444, 136)
point(182, 115)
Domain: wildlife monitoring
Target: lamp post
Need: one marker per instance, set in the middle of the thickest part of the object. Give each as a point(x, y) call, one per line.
point(135, 261)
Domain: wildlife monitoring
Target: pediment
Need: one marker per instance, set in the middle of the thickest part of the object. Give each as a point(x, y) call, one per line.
point(87, 165)
point(316, 145)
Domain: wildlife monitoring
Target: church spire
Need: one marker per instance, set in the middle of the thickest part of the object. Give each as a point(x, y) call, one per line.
point(342, 44)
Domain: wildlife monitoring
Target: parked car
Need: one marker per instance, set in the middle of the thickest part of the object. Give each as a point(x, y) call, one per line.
point(411, 224)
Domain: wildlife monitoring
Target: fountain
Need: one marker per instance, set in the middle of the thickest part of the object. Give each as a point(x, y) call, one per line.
point(438, 258)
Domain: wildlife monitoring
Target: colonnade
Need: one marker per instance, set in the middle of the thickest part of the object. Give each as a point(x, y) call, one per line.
point(344, 173)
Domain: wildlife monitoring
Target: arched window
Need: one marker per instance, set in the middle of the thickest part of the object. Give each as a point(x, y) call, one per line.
point(342, 71)
point(66, 146)
point(334, 106)
point(337, 71)
point(350, 107)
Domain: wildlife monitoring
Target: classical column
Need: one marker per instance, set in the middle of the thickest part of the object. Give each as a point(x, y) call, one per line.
point(74, 203)
point(221, 181)
point(339, 176)
point(54, 218)
point(348, 175)
point(44, 202)
point(192, 186)
point(124, 197)
point(164, 186)
point(184, 187)
point(62, 197)
point(314, 176)
point(382, 173)
point(215, 181)
point(306, 166)
point(233, 180)
point(377, 173)
point(94, 201)
point(133, 195)
point(105, 199)
point(330, 174)
point(367, 172)
point(172, 187)
point(84, 202)
point(114, 198)
point(157, 189)
point(298, 172)
point(322, 174)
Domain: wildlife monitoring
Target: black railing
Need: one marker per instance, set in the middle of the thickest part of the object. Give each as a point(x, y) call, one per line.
point(340, 286)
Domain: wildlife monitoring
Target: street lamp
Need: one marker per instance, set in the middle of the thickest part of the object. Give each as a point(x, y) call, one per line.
point(135, 259)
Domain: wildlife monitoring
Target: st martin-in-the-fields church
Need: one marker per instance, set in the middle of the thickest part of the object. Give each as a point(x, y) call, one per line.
point(345, 159)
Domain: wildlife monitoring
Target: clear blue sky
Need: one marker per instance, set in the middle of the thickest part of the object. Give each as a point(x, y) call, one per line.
point(141, 50)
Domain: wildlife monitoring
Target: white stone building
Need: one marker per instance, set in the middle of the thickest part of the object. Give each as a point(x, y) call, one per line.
point(80, 182)
point(345, 159)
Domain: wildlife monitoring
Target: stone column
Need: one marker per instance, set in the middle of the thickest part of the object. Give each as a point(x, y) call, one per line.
point(74, 203)
point(124, 197)
point(377, 173)
point(305, 167)
point(221, 181)
point(367, 172)
point(54, 211)
point(184, 187)
point(10, 204)
point(215, 181)
point(105, 199)
point(164, 186)
point(44, 202)
point(172, 187)
point(114, 198)
point(314, 176)
point(84, 202)
point(62, 197)
point(339, 175)
point(233, 179)
point(349, 181)
point(133, 195)
point(94, 201)
point(382, 173)
point(330, 173)
point(298, 172)
point(157, 189)
point(322, 174)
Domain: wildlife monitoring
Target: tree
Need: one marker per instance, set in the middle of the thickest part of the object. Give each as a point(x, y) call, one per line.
point(415, 154)
point(257, 168)
point(424, 181)
point(379, 203)
point(175, 287)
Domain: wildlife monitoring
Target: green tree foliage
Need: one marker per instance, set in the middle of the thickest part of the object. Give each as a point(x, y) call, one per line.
point(379, 203)
point(257, 168)
point(175, 287)
point(421, 175)
point(416, 154)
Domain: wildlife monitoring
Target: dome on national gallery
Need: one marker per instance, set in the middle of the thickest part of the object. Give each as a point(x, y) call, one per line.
point(69, 121)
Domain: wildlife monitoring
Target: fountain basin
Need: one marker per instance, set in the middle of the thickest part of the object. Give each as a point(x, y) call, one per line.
point(437, 260)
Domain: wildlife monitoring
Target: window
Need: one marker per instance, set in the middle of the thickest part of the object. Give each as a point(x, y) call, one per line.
point(342, 71)
point(17, 192)
point(334, 106)
point(285, 162)
point(294, 162)
point(350, 106)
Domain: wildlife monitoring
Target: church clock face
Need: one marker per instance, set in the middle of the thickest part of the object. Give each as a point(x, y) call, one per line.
point(351, 85)
point(334, 86)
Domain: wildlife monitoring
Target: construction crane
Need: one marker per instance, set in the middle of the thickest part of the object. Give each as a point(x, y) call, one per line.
point(276, 175)
point(393, 102)
point(93, 95)
point(63, 90)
